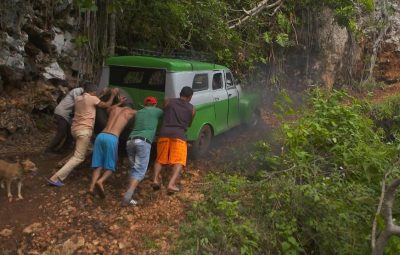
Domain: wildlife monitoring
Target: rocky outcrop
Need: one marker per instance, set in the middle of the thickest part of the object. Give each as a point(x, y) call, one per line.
point(16, 107)
point(388, 61)
point(36, 55)
point(333, 40)
point(32, 47)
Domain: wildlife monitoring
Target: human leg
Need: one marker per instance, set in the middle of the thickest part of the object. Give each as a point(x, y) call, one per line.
point(100, 182)
point(157, 175)
point(139, 155)
point(68, 142)
point(95, 177)
point(107, 158)
point(176, 170)
point(162, 159)
point(82, 142)
point(60, 135)
point(178, 156)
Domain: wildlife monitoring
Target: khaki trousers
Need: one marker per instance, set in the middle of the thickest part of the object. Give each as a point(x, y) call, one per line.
point(82, 140)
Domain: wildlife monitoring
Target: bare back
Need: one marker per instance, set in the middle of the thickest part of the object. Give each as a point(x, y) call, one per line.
point(118, 117)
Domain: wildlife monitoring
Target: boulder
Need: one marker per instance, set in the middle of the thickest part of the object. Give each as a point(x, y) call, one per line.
point(54, 71)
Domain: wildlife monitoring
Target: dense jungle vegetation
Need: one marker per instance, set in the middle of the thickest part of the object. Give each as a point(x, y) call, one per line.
point(239, 34)
point(319, 193)
point(317, 196)
point(316, 188)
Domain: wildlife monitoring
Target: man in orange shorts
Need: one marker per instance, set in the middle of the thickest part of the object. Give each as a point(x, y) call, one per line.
point(172, 146)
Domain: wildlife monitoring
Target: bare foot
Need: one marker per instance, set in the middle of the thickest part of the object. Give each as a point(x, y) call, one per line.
point(172, 190)
point(100, 189)
point(155, 186)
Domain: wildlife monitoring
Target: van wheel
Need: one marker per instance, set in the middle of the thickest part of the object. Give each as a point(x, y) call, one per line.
point(201, 145)
point(255, 118)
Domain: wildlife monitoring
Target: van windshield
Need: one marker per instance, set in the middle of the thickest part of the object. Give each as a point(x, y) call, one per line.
point(135, 77)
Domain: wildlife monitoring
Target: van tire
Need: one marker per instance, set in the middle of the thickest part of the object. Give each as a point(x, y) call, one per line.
point(255, 118)
point(201, 145)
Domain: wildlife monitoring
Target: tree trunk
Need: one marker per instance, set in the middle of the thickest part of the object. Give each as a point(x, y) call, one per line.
point(112, 29)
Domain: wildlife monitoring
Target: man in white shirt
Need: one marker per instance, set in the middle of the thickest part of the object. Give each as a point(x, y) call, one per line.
point(63, 118)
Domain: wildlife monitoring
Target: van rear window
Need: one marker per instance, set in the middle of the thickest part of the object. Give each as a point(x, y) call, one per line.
point(141, 78)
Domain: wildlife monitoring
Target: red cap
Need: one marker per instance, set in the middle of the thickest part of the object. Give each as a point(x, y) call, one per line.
point(150, 100)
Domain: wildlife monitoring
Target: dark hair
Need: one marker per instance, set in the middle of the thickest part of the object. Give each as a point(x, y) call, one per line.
point(89, 86)
point(186, 92)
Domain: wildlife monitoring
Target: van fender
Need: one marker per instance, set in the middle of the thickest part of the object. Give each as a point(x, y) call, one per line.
point(249, 107)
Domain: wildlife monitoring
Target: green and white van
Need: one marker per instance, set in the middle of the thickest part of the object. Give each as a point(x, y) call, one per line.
point(219, 101)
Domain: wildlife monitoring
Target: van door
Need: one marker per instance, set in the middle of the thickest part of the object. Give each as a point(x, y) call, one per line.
point(233, 100)
point(220, 97)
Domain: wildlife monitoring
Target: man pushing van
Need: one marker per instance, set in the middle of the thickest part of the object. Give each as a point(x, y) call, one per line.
point(172, 145)
point(105, 151)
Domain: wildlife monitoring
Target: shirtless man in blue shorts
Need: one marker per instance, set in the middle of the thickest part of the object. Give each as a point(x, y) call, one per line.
point(105, 152)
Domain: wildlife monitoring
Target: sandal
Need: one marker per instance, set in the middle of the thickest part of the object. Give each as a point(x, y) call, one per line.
point(132, 202)
point(173, 191)
point(58, 183)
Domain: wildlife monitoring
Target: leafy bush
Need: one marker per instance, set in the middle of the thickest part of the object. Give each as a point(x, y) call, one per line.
point(218, 225)
point(318, 196)
point(386, 115)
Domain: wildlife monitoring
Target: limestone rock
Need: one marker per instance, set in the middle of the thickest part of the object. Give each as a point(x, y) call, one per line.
point(54, 71)
point(67, 248)
point(6, 232)
point(34, 227)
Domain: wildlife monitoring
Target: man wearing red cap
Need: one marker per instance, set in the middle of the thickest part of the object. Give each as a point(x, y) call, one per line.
point(139, 143)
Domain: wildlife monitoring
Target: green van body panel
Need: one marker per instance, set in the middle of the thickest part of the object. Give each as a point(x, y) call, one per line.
point(169, 64)
point(203, 113)
point(248, 103)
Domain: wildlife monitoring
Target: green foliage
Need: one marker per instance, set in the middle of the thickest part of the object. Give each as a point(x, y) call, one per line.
point(386, 115)
point(218, 225)
point(81, 40)
point(318, 196)
point(86, 5)
point(204, 26)
point(338, 136)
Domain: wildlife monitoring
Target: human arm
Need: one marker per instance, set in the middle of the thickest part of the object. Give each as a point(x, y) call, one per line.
point(107, 104)
point(166, 102)
point(193, 114)
point(122, 100)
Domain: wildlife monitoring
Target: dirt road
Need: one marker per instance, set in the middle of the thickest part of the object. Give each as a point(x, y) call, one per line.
point(69, 221)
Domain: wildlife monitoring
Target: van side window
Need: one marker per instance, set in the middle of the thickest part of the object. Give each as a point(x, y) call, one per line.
point(217, 81)
point(133, 77)
point(157, 78)
point(136, 77)
point(200, 82)
point(229, 80)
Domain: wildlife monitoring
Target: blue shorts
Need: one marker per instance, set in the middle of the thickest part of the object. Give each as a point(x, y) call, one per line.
point(105, 151)
point(138, 154)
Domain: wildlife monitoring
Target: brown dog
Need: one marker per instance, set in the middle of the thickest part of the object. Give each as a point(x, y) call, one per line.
point(15, 171)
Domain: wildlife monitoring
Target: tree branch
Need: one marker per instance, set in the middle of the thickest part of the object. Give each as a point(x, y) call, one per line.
point(390, 228)
point(256, 10)
point(378, 210)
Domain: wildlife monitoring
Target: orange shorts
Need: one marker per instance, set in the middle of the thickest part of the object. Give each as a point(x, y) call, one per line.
point(171, 151)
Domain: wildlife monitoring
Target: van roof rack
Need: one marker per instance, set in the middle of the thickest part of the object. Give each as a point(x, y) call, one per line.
point(176, 54)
